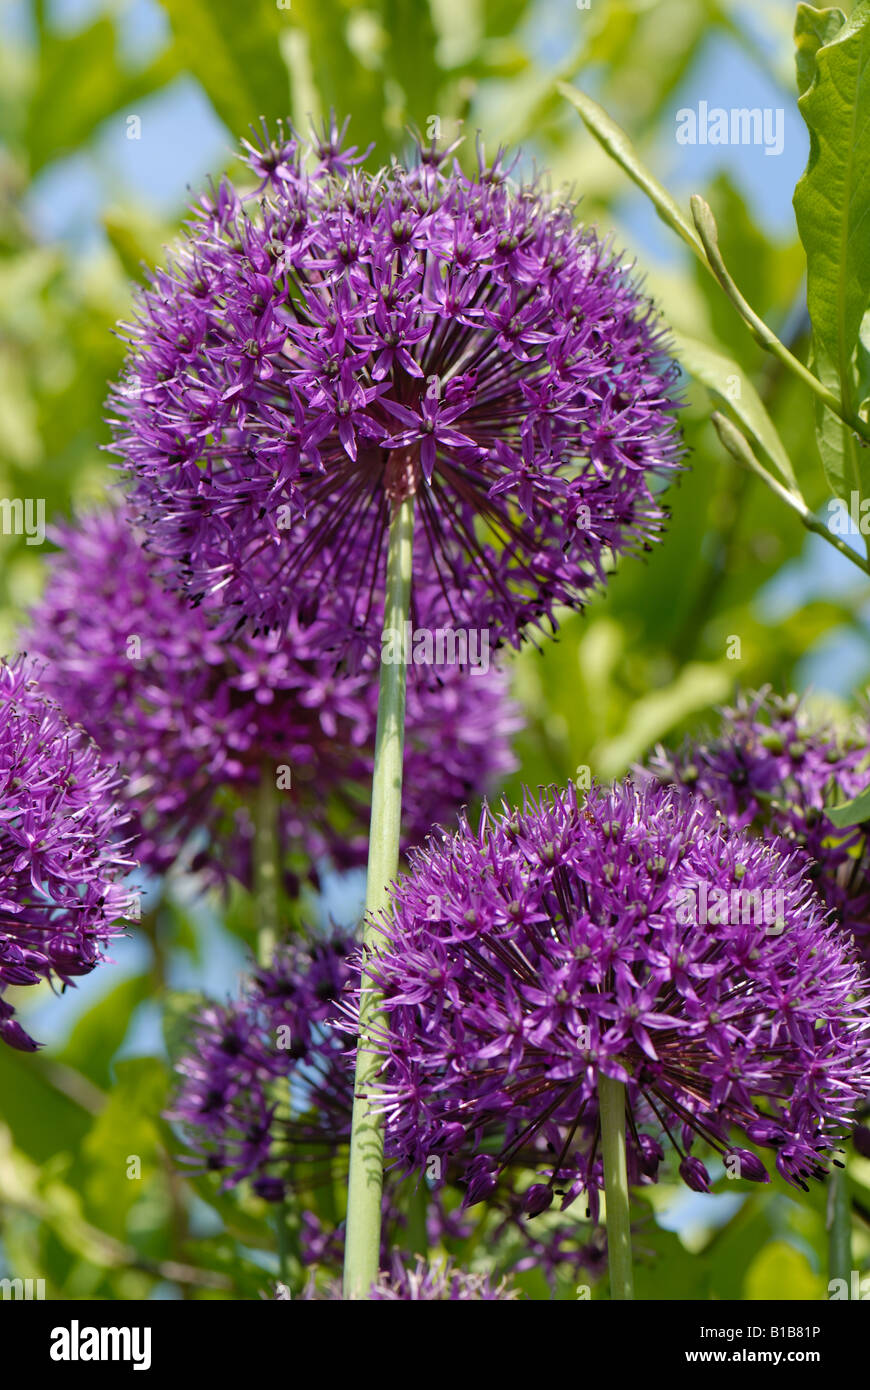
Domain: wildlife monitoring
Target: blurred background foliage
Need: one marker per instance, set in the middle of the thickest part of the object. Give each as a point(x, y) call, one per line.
point(110, 114)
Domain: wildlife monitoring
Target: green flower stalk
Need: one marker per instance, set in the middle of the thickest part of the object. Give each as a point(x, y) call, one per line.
point(611, 1099)
point(365, 1183)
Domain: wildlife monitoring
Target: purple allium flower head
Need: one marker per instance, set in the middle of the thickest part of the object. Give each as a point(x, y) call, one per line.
point(196, 713)
point(265, 1093)
point(322, 347)
point(60, 863)
point(521, 960)
point(773, 767)
point(438, 1281)
point(265, 1088)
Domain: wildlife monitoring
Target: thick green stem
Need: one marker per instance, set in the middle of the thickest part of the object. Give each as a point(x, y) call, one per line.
point(611, 1103)
point(283, 1242)
point(365, 1181)
point(267, 899)
point(839, 1225)
point(266, 866)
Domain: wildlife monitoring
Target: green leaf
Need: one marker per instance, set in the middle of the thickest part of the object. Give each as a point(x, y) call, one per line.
point(843, 456)
point(665, 1270)
point(727, 381)
point(854, 812)
point(698, 685)
point(234, 51)
point(781, 1272)
point(180, 926)
point(863, 364)
point(99, 1034)
point(812, 30)
point(245, 1217)
point(832, 207)
point(376, 62)
point(124, 1130)
point(738, 1244)
point(412, 39)
point(136, 241)
point(179, 1010)
point(632, 47)
point(42, 1119)
point(617, 144)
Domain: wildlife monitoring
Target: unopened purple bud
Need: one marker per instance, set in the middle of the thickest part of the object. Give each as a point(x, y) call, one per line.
point(650, 1156)
point(538, 1198)
point(68, 958)
point(271, 1189)
point(764, 1132)
point(861, 1140)
point(482, 1183)
point(451, 1137)
point(13, 1034)
point(749, 1165)
point(17, 973)
point(694, 1174)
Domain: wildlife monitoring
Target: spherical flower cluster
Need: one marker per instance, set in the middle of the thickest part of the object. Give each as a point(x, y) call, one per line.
point(440, 1281)
point(335, 341)
point(265, 1088)
point(521, 961)
point(774, 768)
point(265, 1094)
point(197, 714)
point(61, 864)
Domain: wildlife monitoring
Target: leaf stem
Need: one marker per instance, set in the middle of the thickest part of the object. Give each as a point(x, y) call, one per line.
point(739, 448)
point(764, 336)
point(611, 1104)
point(615, 142)
point(703, 240)
point(365, 1183)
